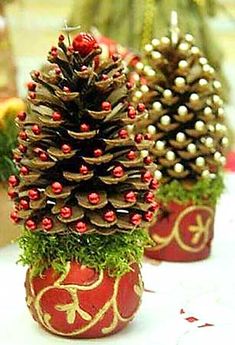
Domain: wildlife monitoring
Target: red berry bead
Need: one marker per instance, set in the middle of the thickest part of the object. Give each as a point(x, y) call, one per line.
point(109, 216)
point(22, 148)
point(66, 89)
point(130, 196)
point(141, 107)
point(57, 187)
point(148, 216)
point(98, 153)
point(84, 127)
point(83, 170)
point(123, 134)
point(17, 158)
point(23, 135)
point(65, 148)
point(24, 170)
point(33, 194)
point(31, 86)
point(36, 129)
point(131, 113)
point(93, 198)
point(149, 197)
point(21, 115)
point(13, 181)
point(118, 171)
point(104, 77)
point(129, 85)
point(14, 217)
point(136, 218)
point(138, 138)
point(47, 223)
point(37, 74)
point(66, 212)
point(30, 224)
point(12, 193)
point(32, 95)
point(106, 106)
point(115, 57)
point(116, 74)
point(147, 136)
point(154, 184)
point(148, 160)
point(24, 204)
point(57, 71)
point(131, 155)
point(154, 206)
point(147, 176)
point(84, 43)
point(56, 116)
point(61, 38)
point(81, 227)
point(84, 68)
point(43, 156)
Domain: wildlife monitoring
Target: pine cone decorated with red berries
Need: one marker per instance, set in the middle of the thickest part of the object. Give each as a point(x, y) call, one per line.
point(80, 167)
point(186, 116)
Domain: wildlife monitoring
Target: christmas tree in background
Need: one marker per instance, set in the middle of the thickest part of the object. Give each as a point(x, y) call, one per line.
point(84, 194)
point(186, 120)
point(149, 19)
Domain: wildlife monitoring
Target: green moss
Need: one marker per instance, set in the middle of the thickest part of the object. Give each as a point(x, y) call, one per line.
point(114, 252)
point(205, 191)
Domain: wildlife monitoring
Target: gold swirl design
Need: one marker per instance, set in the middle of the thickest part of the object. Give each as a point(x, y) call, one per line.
point(74, 308)
point(199, 230)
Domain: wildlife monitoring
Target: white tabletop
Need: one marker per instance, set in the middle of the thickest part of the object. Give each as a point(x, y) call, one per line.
point(201, 292)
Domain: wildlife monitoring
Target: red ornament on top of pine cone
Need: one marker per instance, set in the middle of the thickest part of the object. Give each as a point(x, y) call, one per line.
point(84, 43)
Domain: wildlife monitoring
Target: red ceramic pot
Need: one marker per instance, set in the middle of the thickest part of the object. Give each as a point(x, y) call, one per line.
point(82, 303)
point(182, 233)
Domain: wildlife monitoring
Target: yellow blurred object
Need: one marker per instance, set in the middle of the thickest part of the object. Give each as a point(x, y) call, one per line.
point(10, 107)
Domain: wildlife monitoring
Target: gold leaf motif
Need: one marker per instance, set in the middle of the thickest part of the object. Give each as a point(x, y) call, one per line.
point(199, 229)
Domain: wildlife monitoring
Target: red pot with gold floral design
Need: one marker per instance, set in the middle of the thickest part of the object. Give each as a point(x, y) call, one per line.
point(183, 232)
point(83, 303)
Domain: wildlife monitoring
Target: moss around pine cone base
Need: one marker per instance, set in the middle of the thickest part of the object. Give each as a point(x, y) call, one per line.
point(83, 303)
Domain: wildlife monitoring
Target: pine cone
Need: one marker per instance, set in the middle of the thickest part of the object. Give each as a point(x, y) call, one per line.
point(186, 116)
point(80, 169)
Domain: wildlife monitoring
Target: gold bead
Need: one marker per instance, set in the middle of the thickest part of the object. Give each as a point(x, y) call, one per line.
point(217, 84)
point(167, 93)
point(165, 40)
point(139, 66)
point(207, 111)
point(178, 167)
point(138, 94)
point(144, 88)
point(179, 81)
point(170, 155)
point(199, 125)
point(155, 42)
point(182, 110)
point(209, 142)
point(200, 161)
point(195, 50)
point(157, 175)
point(183, 46)
point(194, 98)
point(180, 137)
point(203, 60)
point(220, 111)
point(206, 68)
point(203, 82)
point(205, 173)
point(151, 129)
point(150, 73)
point(182, 64)
point(217, 156)
point(165, 120)
point(148, 48)
point(144, 153)
point(223, 160)
point(157, 106)
point(217, 100)
point(191, 148)
point(160, 145)
point(189, 38)
point(225, 141)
